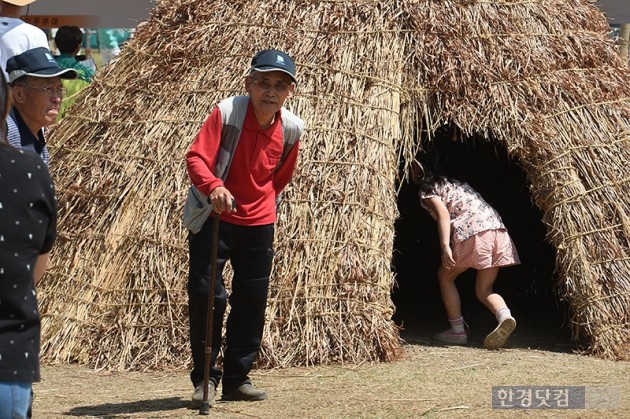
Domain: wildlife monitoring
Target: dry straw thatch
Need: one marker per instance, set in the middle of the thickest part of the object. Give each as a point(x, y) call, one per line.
point(540, 77)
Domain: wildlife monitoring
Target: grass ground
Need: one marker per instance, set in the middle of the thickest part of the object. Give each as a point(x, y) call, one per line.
point(430, 381)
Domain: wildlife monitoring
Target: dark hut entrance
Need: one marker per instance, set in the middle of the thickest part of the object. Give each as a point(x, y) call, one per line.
point(527, 288)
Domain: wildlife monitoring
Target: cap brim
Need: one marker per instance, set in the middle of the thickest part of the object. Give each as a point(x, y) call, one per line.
point(270, 69)
point(66, 73)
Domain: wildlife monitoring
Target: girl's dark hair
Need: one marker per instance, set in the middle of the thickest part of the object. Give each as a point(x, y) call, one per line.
point(430, 180)
point(436, 172)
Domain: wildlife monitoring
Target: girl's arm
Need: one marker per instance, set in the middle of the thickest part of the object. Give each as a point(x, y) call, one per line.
point(443, 219)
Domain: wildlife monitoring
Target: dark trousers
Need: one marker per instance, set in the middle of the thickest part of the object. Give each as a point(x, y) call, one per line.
point(250, 252)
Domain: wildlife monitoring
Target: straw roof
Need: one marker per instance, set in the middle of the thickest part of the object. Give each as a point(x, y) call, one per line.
point(540, 77)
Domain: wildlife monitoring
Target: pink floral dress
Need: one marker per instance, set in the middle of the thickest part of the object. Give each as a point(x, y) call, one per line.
point(470, 213)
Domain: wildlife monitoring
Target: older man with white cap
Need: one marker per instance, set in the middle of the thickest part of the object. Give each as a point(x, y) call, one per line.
point(35, 79)
point(17, 36)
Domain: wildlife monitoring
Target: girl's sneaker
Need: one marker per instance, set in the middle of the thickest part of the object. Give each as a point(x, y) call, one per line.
point(497, 338)
point(452, 337)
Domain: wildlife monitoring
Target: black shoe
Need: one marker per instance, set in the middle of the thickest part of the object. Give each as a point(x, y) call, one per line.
point(197, 396)
point(245, 392)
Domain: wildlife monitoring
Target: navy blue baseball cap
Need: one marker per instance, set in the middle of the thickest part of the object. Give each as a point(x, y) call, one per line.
point(37, 62)
point(274, 60)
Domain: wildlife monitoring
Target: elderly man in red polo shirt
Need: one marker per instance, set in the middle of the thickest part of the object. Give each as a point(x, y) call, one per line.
point(241, 160)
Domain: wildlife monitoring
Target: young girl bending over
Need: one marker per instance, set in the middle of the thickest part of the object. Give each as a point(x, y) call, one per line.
point(472, 235)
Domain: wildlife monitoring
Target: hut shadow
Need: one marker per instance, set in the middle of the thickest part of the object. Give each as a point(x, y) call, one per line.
point(542, 319)
point(544, 330)
point(119, 410)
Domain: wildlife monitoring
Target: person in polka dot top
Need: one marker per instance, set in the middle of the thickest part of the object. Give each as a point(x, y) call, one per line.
point(28, 224)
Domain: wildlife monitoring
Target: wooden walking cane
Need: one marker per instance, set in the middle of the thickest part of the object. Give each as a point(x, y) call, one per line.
point(204, 407)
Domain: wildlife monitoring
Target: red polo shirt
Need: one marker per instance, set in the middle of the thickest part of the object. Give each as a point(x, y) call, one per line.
point(254, 178)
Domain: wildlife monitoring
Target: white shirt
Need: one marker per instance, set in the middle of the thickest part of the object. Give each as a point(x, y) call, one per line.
point(17, 36)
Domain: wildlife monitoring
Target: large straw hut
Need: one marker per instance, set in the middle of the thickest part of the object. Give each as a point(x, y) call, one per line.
point(540, 81)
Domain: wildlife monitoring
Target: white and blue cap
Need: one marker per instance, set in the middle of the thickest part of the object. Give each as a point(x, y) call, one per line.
point(274, 60)
point(37, 62)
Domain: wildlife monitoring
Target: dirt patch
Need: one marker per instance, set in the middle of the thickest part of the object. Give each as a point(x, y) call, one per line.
point(429, 381)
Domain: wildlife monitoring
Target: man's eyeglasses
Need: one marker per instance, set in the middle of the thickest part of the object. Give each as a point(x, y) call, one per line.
point(50, 91)
point(265, 85)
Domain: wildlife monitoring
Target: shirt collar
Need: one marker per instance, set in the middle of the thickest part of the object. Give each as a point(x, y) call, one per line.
point(26, 136)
